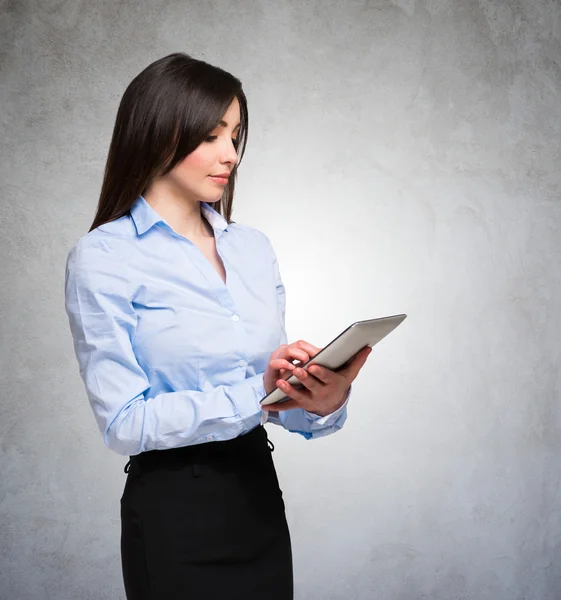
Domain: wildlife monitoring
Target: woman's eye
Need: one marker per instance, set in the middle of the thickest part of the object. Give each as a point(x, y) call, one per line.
point(211, 138)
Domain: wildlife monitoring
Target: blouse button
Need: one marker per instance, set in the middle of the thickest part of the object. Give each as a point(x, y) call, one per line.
point(242, 363)
point(235, 318)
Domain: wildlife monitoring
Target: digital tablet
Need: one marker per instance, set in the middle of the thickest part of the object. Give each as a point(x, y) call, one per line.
point(341, 350)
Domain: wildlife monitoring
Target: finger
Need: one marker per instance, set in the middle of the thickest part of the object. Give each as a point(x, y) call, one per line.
point(295, 397)
point(293, 352)
point(308, 381)
point(327, 375)
point(309, 348)
point(291, 390)
point(320, 373)
point(356, 364)
point(281, 363)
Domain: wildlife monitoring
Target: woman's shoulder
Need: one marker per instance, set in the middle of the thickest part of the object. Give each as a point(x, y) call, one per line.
point(106, 243)
point(98, 263)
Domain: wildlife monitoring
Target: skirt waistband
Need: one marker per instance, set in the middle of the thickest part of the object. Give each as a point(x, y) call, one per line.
point(197, 452)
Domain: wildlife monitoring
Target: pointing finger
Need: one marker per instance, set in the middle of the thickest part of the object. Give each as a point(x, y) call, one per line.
point(309, 348)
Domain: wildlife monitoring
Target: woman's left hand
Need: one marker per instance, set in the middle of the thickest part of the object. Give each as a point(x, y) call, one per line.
point(324, 390)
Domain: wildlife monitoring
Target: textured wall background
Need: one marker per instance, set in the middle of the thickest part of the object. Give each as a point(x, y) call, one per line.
point(412, 147)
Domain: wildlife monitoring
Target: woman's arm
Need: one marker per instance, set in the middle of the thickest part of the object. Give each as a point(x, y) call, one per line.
point(98, 301)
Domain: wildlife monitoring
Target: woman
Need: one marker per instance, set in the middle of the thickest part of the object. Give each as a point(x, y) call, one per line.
point(177, 316)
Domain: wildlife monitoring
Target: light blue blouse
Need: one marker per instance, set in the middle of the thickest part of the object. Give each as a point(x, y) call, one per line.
point(169, 354)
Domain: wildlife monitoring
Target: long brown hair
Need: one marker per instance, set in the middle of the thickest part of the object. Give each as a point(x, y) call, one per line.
point(166, 111)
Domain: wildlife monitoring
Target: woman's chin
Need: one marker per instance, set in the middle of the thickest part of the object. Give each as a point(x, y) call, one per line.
point(210, 199)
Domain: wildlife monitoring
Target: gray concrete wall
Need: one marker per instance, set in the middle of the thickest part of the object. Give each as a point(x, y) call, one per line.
point(415, 145)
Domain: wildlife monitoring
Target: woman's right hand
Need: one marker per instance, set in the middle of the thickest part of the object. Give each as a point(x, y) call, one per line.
point(281, 359)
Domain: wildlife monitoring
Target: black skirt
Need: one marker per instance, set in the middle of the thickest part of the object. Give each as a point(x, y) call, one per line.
point(206, 521)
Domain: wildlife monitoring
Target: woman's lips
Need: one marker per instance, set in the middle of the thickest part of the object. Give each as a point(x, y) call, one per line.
point(220, 180)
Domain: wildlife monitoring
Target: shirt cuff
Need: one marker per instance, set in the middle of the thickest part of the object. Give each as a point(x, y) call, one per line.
point(246, 395)
point(332, 417)
point(262, 392)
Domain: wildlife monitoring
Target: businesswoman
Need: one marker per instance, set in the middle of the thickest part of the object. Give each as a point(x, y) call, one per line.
point(177, 316)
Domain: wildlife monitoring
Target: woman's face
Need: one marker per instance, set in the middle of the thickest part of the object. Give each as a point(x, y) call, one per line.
point(214, 156)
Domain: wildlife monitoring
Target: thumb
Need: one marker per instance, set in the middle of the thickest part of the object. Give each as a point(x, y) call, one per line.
point(356, 364)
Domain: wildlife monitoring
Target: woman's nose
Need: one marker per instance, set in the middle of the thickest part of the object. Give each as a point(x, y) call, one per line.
point(230, 155)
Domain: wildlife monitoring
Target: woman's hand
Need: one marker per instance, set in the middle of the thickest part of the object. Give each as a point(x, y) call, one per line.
point(324, 390)
point(281, 359)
